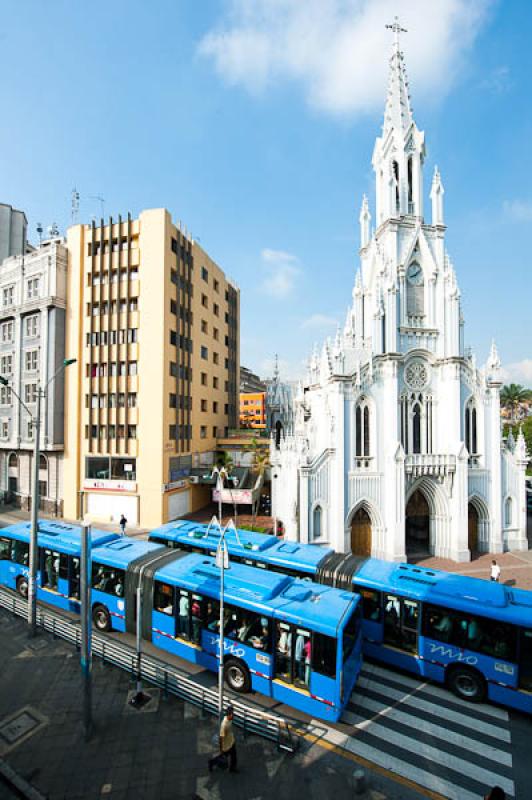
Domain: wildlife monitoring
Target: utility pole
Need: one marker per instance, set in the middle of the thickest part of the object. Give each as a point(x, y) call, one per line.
point(86, 626)
point(32, 579)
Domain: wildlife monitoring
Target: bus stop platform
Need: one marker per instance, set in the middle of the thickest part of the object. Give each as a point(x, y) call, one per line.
point(158, 752)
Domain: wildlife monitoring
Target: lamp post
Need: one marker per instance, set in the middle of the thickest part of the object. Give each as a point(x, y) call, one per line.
point(36, 430)
point(222, 561)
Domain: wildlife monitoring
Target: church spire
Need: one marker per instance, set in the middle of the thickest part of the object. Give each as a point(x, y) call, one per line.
point(397, 112)
point(400, 151)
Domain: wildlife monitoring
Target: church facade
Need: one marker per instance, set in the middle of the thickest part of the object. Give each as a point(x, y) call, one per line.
point(396, 446)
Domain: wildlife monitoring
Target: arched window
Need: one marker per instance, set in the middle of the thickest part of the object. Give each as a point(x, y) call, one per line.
point(410, 190)
point(316, 523)
point(508, 512)
point(416, 428)
point(396, 176)
point(471, 440)
point(362, 430)
point(43, 462)
point(13, 460)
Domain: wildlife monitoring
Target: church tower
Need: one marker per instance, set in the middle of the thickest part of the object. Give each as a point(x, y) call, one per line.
point(396, 447)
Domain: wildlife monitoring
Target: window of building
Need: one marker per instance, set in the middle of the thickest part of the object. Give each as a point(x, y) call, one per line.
point(215, 358)
point(131, 431)
point(8, 296)
point(216, 285)
point(112, 431)
point(94, 431)
point(7, 331)
point(29, 429)
point(216, 310)
point(471, 428)
point(215, 334)
point(32, 288)
point(205, 274)
point(204, 301)
point(173, 369)
point(362, 429)
point(172, 430)
point(215, 382)
point(215, 408)
point(508, 512)
point(204, 379)
point(203, 432)
point(5, 429)
point(120, 432)
point(30, 393)
point(132, 400)
point(173, 401)
point(204, 405)
point(5, 395)
point(204, 326)
point(173, 307)
point(31, 360)
point(132, 368)
point(226, 363)
point(226, 408)
point(121, 398)
point(204, 352)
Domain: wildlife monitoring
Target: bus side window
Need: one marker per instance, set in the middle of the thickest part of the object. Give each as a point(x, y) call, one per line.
point(108, 579)
point(163, 598)
point(324, 655)
point(20, 553)
point(5, 549)
point(371, 603)
point(438, 623)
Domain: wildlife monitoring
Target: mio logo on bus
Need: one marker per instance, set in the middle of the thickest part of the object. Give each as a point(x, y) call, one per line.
point(239, 652)
point(455, 655)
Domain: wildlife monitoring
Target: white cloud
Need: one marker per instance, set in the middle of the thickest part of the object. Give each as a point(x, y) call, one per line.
point(519, 372)
point(281, 273)
point(318, 321)
point(336, 49)
point(518, 210)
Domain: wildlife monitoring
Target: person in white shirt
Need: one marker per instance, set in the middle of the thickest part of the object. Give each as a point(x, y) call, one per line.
point(495, 571)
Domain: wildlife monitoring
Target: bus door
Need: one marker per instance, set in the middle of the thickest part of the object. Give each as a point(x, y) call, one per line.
point(74, 577)
point(54, 571)
point(525, 659)
point(401, 618)
point(292, 655)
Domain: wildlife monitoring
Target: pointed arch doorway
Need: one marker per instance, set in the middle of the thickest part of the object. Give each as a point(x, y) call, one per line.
point(361, 533)
point(472, 528)
point(417, 526)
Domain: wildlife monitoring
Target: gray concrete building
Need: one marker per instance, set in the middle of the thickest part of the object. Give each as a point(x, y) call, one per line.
point(32, 348)
point(13, 228)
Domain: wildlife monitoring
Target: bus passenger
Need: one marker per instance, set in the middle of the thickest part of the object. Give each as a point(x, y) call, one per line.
point(183, 616)
point(300, 656)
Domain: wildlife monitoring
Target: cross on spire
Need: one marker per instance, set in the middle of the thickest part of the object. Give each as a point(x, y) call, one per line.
point(396, 28)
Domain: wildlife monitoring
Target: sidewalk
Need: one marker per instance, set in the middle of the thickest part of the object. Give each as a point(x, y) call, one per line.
point(143, 755)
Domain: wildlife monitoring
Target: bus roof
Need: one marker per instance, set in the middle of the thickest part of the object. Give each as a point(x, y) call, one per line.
point(298, 601)
point(60, 536)
point(459, 592)
point(123, 551)
point(246, 544)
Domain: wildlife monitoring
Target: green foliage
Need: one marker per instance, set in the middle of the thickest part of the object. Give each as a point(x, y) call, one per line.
point(512, 396)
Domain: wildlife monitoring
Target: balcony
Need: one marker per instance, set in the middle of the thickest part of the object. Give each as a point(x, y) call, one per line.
point(438, 466)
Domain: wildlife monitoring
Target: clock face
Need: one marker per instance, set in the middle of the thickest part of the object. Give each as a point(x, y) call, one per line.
point(414, 274)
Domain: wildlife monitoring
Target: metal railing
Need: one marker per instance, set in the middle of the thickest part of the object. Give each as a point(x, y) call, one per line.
point(157, 672)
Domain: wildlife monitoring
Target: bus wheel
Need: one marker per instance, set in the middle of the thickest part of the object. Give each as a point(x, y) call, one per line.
point(22, 587)
point(237, 676)
point(467, 684)
point(101, 618)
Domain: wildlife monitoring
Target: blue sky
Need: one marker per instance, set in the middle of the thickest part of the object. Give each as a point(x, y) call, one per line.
point(254, 121)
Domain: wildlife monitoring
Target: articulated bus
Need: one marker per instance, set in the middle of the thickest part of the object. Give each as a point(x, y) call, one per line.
point(296, 641)
point(473, 635)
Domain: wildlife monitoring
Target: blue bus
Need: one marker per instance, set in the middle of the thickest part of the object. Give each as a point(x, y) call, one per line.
point(473, 635)
point(295, 641)
point(58, 560)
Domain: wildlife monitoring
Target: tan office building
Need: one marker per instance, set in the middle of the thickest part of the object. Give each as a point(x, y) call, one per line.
point(154, 323)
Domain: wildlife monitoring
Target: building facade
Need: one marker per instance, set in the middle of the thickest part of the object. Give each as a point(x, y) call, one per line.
point(253, 410)
point(279, 406)
point(32, 349)
point(396, 449)
point(154, 323)
point(250, 382)
point(13, 231)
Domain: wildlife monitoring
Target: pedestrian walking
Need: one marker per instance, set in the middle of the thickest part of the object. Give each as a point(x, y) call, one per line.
point(123, 523)
point(227, 744)
point(496, 794)
point(495, 571)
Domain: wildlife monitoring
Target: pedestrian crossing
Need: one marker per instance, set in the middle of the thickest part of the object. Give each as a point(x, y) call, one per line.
point(425, 734)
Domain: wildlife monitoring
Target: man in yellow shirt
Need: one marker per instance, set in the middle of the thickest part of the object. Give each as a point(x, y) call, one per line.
point(227, 744)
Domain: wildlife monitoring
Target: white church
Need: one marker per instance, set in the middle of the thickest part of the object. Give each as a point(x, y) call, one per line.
point(396, 446)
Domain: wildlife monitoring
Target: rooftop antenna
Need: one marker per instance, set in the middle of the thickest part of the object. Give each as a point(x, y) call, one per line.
point(53, 230)
point(74, 210)
point(101, 200)
point(40, 231)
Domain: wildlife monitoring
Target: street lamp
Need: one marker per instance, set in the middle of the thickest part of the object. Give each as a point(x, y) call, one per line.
point(36, 429)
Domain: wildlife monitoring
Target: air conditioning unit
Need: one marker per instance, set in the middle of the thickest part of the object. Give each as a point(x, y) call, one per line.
point(193, 479)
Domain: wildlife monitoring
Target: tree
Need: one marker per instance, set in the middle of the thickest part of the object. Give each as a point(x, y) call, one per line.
point(261, 462)
point(512, 396)
point(224, 460)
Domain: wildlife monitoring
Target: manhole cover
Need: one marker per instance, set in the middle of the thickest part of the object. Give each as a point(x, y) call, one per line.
point(19, 726)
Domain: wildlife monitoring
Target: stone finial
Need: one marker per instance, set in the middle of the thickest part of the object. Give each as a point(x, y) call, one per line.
point(520, 450)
